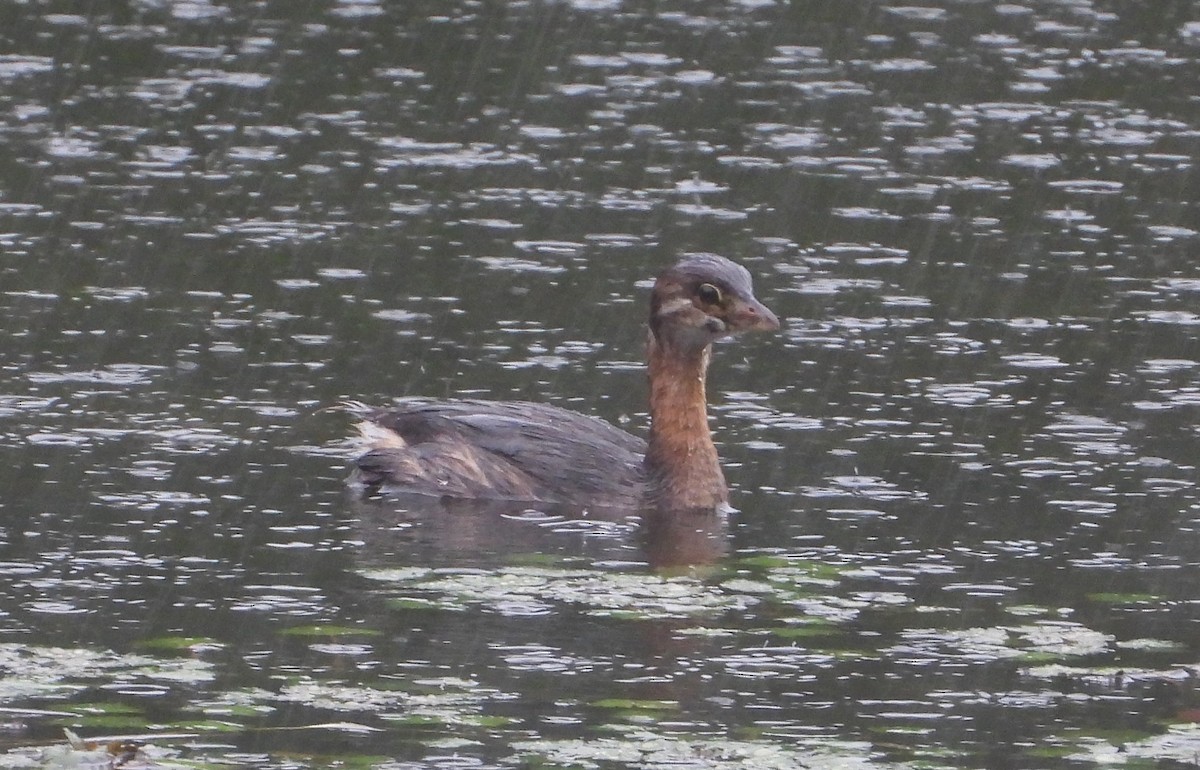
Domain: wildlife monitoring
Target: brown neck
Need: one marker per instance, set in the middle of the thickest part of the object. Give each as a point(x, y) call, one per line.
point(681, 460)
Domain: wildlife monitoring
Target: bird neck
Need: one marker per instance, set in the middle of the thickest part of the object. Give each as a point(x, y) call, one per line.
point(681, 459)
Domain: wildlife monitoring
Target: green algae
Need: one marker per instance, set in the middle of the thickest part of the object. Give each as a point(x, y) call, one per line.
point(180, 643)
point(1105, 597)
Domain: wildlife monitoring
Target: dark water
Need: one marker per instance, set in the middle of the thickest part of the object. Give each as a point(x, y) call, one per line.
point(965, 471)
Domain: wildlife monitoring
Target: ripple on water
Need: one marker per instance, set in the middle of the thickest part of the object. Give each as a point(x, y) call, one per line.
point(113, 374)
point(356, 9)
point(1088, 187)
point(342, 649)
point(967, 394)
point(834, 285)
point(12, 405)
point(14, 66)
point(797, 664)
point(867, 487)
point(1086, 507)
point(1034, 361)
point(117, 293)
point(282, 600)
point(55, 607)
point(700, 210)
point(553, 248)
point(1077, 427)
point(153, 499)
point(73, 148)
point(1184, 318)
point(790, 139)
point(1157, 366)
point(514, 265)
point(1089, 435)
point(266, 233)
point(197, 10)
point(341, 273)
point(869, 254)
point(1033, 161)
point(543, 658)
point(191, 439)
point(162, 91)
point(407, 153)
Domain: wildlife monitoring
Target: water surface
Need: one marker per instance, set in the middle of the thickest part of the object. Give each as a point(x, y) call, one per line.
point(967, 526)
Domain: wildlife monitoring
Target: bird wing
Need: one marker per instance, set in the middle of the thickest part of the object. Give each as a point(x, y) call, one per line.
point(565, 455)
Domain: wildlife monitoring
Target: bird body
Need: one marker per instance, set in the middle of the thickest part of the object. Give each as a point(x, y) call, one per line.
point(512, 450)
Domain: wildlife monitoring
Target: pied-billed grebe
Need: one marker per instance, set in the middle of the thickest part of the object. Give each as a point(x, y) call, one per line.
point(523, 451)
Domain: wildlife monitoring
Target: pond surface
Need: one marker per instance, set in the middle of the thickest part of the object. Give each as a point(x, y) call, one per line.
point(968, 517)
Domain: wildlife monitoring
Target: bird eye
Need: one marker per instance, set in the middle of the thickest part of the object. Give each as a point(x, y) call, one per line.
point(709, 294)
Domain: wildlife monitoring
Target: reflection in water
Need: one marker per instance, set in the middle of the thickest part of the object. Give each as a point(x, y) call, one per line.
point(452, 531)
point(965, 472)
point(684, 539)
point(467, 532)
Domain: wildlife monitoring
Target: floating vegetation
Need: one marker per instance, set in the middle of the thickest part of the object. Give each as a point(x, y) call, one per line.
point(523, 591)
point(154, 750)
point(1042, 640)
point(802, 585)
point(1119, 598)
point(435, 701)
point(1151, 645)
point(644, 749)
point(1178, 747)
point(181, 643)
point(1115, 677)
point(245, 703)
point(30, 671)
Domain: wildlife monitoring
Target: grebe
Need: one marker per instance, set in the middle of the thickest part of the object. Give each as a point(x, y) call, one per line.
point(524, 451)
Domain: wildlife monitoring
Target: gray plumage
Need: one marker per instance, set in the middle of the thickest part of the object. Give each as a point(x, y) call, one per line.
point(512, 449)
